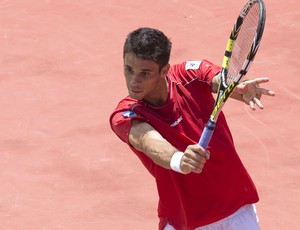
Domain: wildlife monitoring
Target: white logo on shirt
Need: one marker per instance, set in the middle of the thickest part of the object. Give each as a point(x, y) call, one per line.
point(192, 65)
point(176, 122)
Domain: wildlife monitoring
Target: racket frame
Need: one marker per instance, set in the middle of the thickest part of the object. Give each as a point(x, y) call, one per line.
point(225, 90)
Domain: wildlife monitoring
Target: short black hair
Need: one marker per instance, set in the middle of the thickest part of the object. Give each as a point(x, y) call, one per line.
point(149, 44)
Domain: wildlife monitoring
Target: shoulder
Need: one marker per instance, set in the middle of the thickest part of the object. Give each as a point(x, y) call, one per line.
point(121, 117)
point(190, 70)
point(123, 110)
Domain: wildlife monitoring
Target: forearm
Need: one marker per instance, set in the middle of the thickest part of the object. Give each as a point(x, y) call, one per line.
point(215, 84)
point(147, 140)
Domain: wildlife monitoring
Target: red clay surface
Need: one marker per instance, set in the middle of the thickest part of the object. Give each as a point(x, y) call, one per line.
point(61, 76)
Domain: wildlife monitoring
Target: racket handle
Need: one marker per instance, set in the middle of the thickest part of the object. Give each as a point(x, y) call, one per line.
point(207, 134)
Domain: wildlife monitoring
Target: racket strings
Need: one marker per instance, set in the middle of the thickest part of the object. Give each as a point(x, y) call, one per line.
point(243, 43)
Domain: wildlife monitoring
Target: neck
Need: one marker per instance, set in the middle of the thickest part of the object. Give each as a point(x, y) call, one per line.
point(163, 97)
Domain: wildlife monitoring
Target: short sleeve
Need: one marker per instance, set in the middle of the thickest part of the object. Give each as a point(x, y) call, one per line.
point(120, 119)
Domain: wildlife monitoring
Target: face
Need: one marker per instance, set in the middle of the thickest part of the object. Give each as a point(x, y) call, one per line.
point(144, 80)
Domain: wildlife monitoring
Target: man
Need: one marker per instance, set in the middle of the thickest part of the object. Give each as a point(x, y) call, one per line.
point(162, 119)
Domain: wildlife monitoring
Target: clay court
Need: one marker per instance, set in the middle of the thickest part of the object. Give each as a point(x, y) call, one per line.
point(62, 168)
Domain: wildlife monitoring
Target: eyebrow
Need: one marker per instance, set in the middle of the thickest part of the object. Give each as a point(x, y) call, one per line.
point(145, 70)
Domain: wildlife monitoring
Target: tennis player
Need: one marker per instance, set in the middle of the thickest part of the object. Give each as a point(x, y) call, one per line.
point(161, 121)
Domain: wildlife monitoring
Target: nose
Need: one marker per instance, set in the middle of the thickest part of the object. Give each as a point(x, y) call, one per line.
point(134, 80)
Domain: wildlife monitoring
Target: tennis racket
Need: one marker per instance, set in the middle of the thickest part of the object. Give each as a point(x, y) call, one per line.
point(240, 51)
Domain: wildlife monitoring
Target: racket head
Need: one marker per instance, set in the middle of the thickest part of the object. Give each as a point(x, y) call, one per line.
point(244, 41)
point(241, 48)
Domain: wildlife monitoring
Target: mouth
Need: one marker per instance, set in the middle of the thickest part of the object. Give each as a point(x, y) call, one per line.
point(135, 90)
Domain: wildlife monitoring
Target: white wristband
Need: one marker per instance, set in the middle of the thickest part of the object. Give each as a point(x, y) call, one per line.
point(175, 161)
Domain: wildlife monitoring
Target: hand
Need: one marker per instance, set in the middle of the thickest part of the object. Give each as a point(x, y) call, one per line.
point(194, 159)
point(252, 92)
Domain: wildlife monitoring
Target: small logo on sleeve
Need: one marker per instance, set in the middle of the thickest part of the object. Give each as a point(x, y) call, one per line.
point(192, 65)
point(128, 114)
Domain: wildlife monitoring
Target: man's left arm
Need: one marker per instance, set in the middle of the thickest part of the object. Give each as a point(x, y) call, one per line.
point(248, 91)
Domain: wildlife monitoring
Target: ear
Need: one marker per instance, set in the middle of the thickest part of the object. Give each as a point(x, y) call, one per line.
point(165, 70)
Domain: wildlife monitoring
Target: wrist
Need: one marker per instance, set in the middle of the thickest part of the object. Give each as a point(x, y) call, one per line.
point(175, 161)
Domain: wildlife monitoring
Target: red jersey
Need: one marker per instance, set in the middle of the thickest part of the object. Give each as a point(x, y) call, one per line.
point(193, 200)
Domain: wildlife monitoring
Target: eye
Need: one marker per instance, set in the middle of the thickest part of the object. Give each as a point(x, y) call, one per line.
point(128, 70)
point(145, 74)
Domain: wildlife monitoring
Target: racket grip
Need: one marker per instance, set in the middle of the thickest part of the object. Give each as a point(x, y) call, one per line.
point(207, 134)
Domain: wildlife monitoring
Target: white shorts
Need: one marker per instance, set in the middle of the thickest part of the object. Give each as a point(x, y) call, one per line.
point(245, 218)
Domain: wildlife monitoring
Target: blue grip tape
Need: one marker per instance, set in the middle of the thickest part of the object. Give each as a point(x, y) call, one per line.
point(207, 134)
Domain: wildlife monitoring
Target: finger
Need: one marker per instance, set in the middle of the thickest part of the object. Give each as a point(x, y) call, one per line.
point(197, 151)
point(265, 91)
point(252, 104)
point(196, 168)
point(199, 159)
point(257, 102)
point(192, 166)
point(193, 159)
point(207, 155)
point(261, 80)
point(201, 155)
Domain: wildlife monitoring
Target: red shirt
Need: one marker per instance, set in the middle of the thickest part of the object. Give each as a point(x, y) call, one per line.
point(190, 201)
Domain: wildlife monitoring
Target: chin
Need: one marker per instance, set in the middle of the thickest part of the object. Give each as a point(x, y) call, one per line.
point(136, 97)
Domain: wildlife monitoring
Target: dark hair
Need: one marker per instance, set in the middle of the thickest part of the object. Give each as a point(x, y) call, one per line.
point(149, 44)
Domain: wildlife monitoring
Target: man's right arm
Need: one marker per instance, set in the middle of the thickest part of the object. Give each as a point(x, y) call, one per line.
point(146, 139)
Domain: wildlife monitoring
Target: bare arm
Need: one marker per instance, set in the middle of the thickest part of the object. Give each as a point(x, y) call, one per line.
point(146, 139)
point(247, 91)
point(215, 84)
